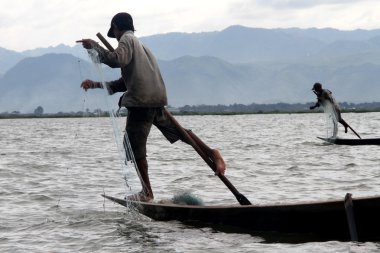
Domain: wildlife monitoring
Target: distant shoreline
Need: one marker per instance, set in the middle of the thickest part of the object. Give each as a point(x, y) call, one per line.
point(233, 109)
point(180, 113)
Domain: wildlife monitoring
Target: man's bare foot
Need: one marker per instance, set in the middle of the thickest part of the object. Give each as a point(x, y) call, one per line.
point(141, 196)
point(219, 162)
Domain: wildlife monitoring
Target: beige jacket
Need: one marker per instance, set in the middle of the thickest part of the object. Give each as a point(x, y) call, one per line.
point(141, 78)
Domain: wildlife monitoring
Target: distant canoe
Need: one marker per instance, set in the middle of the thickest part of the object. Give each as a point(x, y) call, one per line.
point(352, 142)
point(310, 221)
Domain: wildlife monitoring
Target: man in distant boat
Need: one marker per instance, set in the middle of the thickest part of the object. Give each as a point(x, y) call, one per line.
point(325, 97)
point(144, 97)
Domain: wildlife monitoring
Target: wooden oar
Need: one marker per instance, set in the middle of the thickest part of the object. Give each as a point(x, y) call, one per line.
point(345, 123)
point(105, 42)
point(354, 131)
point(240, 197)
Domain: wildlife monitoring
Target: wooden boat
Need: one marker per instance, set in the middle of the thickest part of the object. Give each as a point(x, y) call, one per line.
point(312, 221)
point(352, 142)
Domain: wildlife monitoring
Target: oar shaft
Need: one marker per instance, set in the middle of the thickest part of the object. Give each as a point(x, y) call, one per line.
point(354, 131)
point(105, 42)
point(345, 124)
point(204, 151)
point(240, 197)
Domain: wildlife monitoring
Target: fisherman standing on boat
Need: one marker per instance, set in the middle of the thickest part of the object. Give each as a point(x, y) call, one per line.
point(144, 96)
point(324, 97)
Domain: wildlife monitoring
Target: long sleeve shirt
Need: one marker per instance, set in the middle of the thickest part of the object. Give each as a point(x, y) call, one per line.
point(326, 99)
point(141, 78)
point(325, 96)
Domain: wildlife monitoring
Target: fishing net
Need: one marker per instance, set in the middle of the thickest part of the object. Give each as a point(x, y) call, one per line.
point(127, 161)
point(187, 198)
point(331, 119)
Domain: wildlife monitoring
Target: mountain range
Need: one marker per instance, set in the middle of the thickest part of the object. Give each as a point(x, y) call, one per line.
point(236, 65)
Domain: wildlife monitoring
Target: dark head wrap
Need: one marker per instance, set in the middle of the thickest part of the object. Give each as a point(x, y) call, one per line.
point(317, 86)
point(123, 21)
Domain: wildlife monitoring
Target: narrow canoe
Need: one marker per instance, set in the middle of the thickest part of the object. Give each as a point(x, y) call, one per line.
point(311, 221)
point(352, 142)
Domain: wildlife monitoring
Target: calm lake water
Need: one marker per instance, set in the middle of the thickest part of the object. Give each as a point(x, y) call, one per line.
point(53, 171)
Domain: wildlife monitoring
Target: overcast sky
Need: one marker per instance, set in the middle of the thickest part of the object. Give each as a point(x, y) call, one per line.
point(28, 24)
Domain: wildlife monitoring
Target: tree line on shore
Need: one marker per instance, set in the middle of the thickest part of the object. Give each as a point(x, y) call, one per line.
point(205, 109)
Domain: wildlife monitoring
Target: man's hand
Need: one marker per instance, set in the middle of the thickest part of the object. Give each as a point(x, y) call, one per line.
point(88, 84)
point(87, 43)
point(314, 106)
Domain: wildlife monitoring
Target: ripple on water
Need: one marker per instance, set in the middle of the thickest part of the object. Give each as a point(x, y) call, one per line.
point(50, 197)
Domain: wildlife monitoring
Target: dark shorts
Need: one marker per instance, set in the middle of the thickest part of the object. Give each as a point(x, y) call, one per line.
point(139, 123)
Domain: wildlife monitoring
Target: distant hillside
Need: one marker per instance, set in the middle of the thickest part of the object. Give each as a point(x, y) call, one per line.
point(243, 44)
point(51, 81)
point(8, 58)
point(239, 44)
point(237, 65)
point(205, 80)
point(330, 35)
point(235, 44)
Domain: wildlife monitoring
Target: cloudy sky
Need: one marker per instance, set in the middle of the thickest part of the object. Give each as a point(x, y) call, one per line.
point(28, 24)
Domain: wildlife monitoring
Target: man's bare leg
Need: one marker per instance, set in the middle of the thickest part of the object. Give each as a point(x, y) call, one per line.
point(146, 193)
point(344, 123)
point(219, 162)
point(213, 154)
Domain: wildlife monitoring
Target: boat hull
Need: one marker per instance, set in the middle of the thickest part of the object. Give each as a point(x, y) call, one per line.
point(352, 142)
point(320, 220)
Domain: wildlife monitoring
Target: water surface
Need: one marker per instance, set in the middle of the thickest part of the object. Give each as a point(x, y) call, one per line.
point(53, 171)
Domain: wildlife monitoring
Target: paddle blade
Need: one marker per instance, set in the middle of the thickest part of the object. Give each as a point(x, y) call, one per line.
point(243, 200)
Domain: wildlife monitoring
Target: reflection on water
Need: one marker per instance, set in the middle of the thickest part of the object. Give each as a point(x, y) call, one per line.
point(53, 171)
